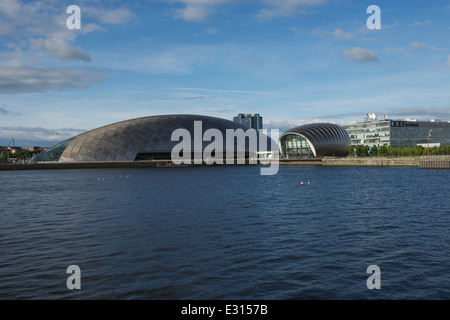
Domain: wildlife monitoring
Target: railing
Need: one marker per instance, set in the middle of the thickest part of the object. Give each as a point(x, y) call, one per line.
point(434, 164)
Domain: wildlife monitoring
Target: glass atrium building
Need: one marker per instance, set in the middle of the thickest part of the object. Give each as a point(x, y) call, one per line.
point(315, 140)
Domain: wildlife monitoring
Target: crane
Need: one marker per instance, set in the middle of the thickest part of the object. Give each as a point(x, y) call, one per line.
point(13, 143)
point(9, 148)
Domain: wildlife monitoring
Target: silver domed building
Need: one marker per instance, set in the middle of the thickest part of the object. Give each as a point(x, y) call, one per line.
point(147, 138)
point(315, 140)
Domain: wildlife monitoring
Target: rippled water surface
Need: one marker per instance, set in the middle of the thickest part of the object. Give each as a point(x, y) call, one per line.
point(225, 233)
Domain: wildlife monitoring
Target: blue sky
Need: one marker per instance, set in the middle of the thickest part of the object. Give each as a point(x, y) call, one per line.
point(292, 61)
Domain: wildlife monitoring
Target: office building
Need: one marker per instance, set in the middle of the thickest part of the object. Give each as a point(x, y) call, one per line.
point(398, 132)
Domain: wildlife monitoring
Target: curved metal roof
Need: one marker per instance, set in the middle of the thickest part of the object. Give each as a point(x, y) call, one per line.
point(327, 139)
point(122, 141)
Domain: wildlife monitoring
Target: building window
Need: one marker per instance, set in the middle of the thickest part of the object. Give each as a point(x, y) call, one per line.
point(295, 147)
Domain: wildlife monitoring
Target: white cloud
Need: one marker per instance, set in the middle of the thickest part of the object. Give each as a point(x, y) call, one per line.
point(280, 8)
point(420, 23)
point(180, 60)
point(109, 16)
point(41, 25)
point(200, 10)
point(284, 125)
point(197, 10)
point(193, 13)
point(421, 112)
point(60, 49)
point(418, 45)
point(212, 31)
point(337, 34)
point(37, 30)
point(341, 34)
point(16, 76)
point(228, 91)
point(10, 7)
point(360, 55)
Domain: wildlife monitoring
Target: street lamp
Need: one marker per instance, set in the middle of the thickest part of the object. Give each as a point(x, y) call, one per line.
point(428, 141)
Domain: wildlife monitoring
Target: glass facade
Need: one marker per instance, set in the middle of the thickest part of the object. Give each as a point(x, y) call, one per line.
point(52, 154)
point(295, 146)
point(398, 133)
point(405, 134)
point(314, 140)
point(369, 133)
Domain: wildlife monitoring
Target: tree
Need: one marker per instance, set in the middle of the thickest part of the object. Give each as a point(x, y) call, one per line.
point(23, 154)
point(365, 151)
point(374, 151)
point(383, 151)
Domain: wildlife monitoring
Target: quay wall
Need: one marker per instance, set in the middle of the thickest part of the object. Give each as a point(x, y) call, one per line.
point(435, 164)
point(440, 163)
point(371, 161)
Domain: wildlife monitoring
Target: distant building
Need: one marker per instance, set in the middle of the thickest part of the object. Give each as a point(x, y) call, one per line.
point(397, 132)
point(254, 121)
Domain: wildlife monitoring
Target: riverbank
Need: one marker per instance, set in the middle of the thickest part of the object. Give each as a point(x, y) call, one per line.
point(423, 163)
point(371, 161)
point(433, 163)
point(86, 165)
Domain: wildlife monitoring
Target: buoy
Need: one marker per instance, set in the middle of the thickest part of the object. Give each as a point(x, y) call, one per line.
point(302, 183)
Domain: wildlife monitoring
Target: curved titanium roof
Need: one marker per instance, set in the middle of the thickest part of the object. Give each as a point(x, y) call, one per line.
point(327, 139)
point(122, 141)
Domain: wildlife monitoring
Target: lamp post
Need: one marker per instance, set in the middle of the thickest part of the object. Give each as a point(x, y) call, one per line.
point(428, 142)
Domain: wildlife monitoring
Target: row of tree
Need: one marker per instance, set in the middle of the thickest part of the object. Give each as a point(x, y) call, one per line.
point(388, 151)
point(19, 154)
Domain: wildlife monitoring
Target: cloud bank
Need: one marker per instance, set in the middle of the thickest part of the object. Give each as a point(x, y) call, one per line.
point(36, 43)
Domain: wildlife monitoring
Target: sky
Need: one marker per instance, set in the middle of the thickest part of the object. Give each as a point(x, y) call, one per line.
point(292, 61)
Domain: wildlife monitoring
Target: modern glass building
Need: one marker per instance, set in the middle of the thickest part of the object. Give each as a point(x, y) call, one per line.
point(147, 138)
point(398, 133)
point(315, 140)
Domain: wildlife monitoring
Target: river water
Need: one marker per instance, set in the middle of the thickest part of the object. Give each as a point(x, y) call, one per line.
point(225, 232)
